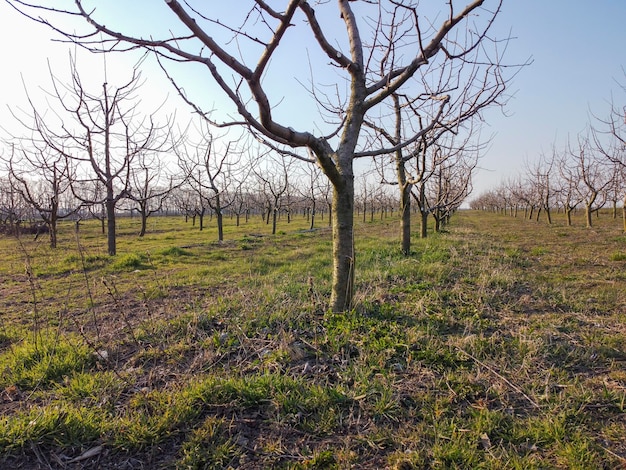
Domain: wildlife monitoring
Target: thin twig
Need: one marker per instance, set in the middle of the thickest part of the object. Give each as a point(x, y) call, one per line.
point(617, 456)
point(500, 376)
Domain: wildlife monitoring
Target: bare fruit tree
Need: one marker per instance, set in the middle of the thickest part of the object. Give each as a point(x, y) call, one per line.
point(360, 53)
point(103, 134)
point(273, 182)
point(451, 182)
point(214, 174)
point(540, 181)
point(42, 179)
point(609, 138)
point(453, 100)
point(591, 173)
point(150, 186)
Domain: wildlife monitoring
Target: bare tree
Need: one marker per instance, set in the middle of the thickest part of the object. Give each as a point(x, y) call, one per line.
point(385, 44)
point(452, 182)
point(523, 195)
point(42, 179)
point(241, 203)
point(103, 134)
point(566, 189)
point(365, 195)
point(310, 191)
point(211, 172)
point(454, 97)
point(616, 190)
point(621, 185)
point(592, 175)
point(184, 199)
point(539, 176)
point(274, 183)
point(609, 138)
point(326, 191)
point(13, 208)
point(150, 186)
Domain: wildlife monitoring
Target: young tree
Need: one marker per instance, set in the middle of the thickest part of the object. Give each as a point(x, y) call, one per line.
point(592, 175)
point(452, 182)
point(539, 175)
point(274, 183)
point(42, 179)
point(382, 47)
point(103, 134)
point(566, 189)
point(13, 208)
point(184, 200)
point(150, 186)
point(310, 191)
point(454, 98)
point(609, 138)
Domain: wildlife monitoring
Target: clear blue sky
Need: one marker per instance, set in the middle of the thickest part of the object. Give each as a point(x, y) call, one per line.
point(578, 49)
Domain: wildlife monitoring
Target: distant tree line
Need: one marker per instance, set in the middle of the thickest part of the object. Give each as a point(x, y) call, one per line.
point(588, 173)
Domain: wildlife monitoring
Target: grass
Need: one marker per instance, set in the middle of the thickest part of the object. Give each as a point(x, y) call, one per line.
point(498, 344)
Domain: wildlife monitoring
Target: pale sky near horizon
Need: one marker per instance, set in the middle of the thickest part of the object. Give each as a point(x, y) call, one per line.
point(577, 47)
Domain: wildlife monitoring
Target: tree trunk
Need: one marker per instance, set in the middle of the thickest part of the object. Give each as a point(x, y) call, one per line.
point(568, 216)
point(220, 225)
point(53, 232)
point(312, 211)
point(343, 247)
point(405, 219)
point(110, 208)
point(143, 212)
point(220, 217)
point(330, 211)
point(274, 216)
point(588, 215)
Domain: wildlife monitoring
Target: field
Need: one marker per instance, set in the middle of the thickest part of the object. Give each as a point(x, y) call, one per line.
point(498, 344)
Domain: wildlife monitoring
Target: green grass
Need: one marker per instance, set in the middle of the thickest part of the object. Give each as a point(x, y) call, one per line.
point(43, 360)
point(497, 344)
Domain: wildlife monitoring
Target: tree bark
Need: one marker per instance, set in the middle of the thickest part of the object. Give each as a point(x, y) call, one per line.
point(220, 226)
point(312, 216)
point(343, 247)
point(274, 216)
point(423, 211)
point(405, 219)
point(111, 242)
point(144, 221)
point(588, 215)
